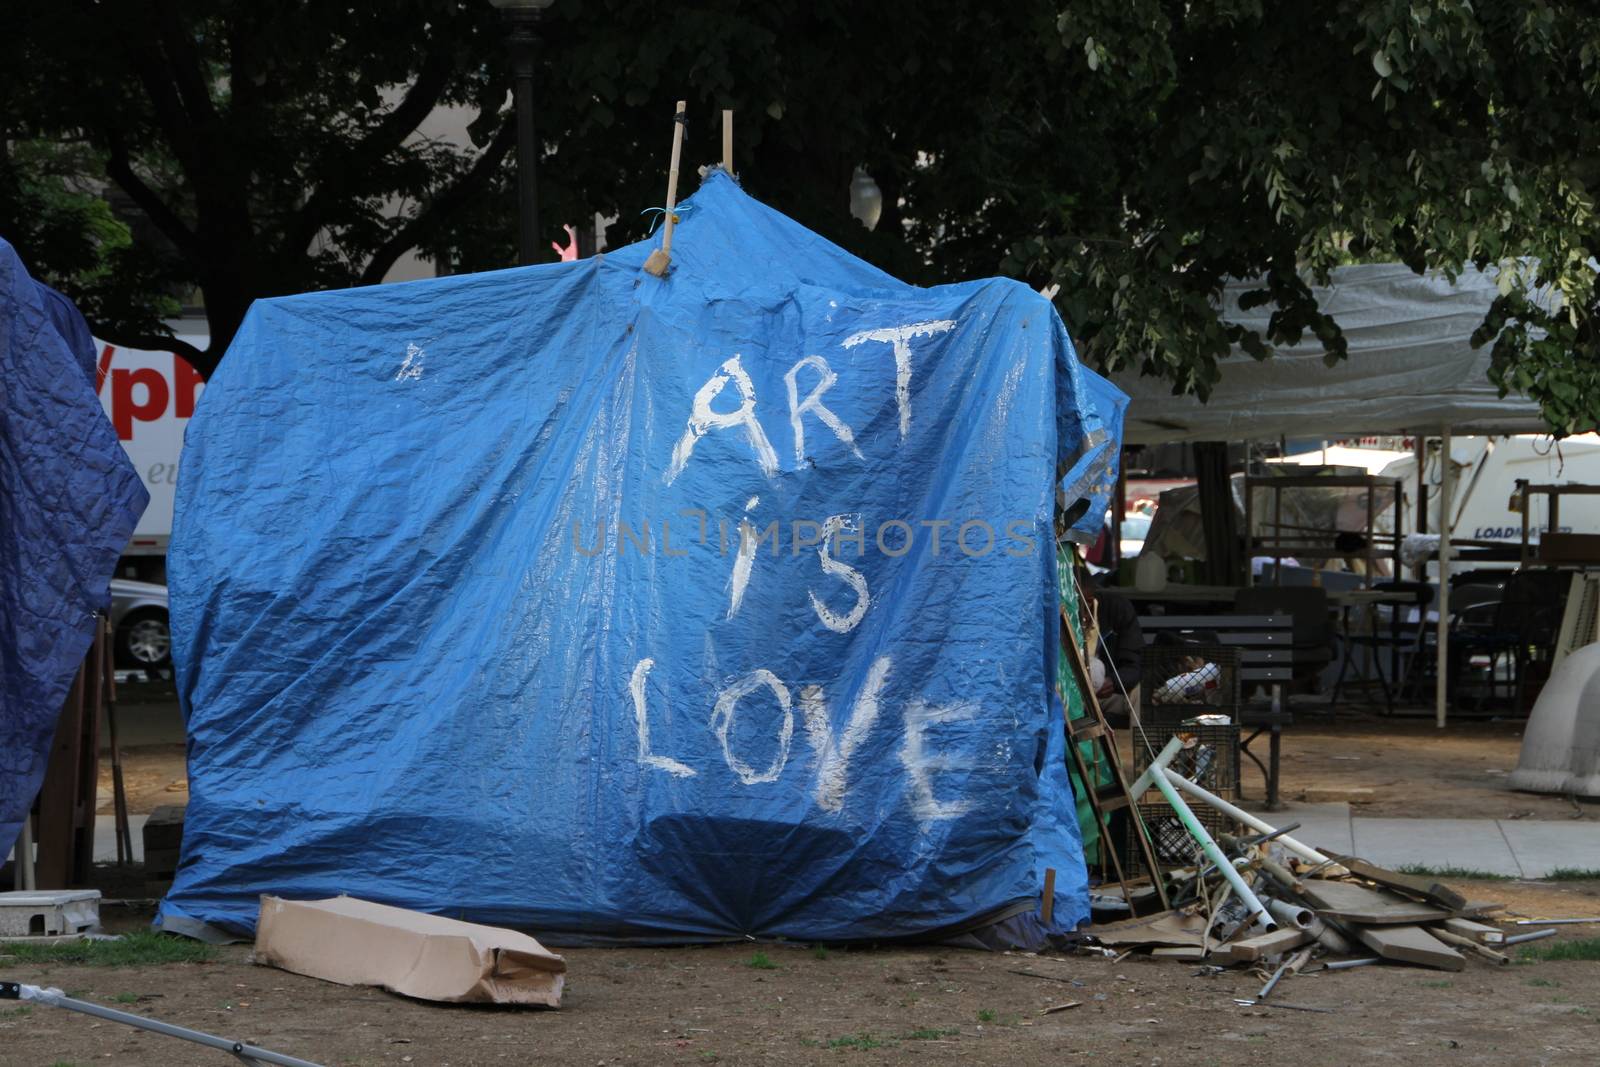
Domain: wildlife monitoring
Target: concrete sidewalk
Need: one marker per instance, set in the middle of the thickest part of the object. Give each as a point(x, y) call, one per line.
point(1517, 848)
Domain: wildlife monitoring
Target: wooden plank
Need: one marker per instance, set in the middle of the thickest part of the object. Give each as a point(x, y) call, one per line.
point(1251, 949)
point(1469, 944)
point(1420, 886)
point(1478, 909)
point(1358, 904)
point(1411, 944)
point(1488, 935)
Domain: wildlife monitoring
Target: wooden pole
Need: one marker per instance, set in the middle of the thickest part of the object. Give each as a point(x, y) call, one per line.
point(660, 261)
point(1442, 665)
point(727, 140)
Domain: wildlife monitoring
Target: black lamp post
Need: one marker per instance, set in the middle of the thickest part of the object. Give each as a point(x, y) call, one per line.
point(522, 20)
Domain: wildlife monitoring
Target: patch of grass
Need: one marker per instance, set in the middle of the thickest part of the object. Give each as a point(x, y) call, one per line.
point(985, 1015)
point(1471, 873)
point(1436, 985)
point(1542, 982)
point(1584, 948)
point(125, 998)
point(860, 1042)
point(819, 952)
point(1574, 874)
point(928, 1035)
point(139, 949)
point(19, 1011)
point(760, 961)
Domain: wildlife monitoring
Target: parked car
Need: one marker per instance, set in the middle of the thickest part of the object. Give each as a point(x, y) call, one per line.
point(142, 635)
point(1135, 528)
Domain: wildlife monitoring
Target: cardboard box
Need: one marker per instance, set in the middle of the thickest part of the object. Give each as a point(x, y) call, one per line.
point(357, 942)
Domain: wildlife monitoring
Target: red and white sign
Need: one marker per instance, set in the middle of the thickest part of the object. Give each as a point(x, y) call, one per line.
point(150, 397)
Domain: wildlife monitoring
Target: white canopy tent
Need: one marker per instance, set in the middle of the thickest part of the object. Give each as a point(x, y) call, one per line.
point(1411, 369)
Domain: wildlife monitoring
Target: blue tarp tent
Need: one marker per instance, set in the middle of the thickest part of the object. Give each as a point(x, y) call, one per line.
point(616, 607)
point(69, 499)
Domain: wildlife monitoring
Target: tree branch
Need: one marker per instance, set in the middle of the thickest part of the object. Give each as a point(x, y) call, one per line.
point(441, 206)
point(198, 358)
point(188, 69)
point(343, 176)
point(120, 170)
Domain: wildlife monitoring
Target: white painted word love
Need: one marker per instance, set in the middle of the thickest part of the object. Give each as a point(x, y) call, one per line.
point(833, 749)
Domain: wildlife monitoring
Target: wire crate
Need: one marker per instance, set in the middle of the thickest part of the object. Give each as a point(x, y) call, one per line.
point(1212, 762)
point(1181, 679)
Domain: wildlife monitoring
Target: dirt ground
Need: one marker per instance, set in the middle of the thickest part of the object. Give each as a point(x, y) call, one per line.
point(858, 1005)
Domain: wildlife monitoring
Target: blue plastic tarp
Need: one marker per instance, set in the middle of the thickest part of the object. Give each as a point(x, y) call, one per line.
point(69, 499)
point(614, 607)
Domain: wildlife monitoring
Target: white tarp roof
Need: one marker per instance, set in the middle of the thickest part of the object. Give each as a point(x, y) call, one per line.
point(1411, 368)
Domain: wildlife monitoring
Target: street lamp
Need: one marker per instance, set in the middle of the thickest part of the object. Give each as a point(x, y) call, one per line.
point(522, 20)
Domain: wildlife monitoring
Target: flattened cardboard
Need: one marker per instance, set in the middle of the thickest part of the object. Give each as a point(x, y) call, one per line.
point(357, 942)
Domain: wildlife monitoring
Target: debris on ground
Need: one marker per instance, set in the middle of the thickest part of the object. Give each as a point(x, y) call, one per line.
point(1275, 904)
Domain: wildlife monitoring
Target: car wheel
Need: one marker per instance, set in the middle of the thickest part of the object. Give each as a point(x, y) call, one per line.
point(145, 640)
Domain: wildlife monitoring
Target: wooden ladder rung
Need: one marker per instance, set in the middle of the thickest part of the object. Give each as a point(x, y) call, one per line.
point(1113, 796)
point(1086, 729)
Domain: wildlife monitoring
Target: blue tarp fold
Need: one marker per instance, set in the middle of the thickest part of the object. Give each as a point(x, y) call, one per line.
point(69, 500)
point(615, 607)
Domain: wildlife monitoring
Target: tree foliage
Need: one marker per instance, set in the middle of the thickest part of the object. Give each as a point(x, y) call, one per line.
point(1135, 152)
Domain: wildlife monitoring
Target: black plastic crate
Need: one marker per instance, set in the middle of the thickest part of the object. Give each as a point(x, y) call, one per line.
point(1182, 679)
point(1211, 761)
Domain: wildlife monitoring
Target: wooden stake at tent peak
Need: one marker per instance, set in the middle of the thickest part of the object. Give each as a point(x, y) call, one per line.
point(660, 260)
point(727, 141)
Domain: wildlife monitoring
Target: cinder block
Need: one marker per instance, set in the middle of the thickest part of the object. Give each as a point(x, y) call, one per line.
point(49, 912)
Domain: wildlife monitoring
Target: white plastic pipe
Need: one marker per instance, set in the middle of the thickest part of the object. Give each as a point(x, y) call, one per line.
point(1257, 911)
point(1143, 783)
point(1292, 914)
point(1305, 852)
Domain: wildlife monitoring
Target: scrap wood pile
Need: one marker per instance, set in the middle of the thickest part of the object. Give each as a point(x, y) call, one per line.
point(1265, 899)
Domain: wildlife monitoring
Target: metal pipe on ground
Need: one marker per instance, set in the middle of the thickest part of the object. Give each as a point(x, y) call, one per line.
point(56, 999)
point(1345, 965)
point(1520, 938)
point(1305, 919)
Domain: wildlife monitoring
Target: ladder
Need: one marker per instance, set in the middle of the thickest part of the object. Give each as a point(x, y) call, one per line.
point(1114, 796)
